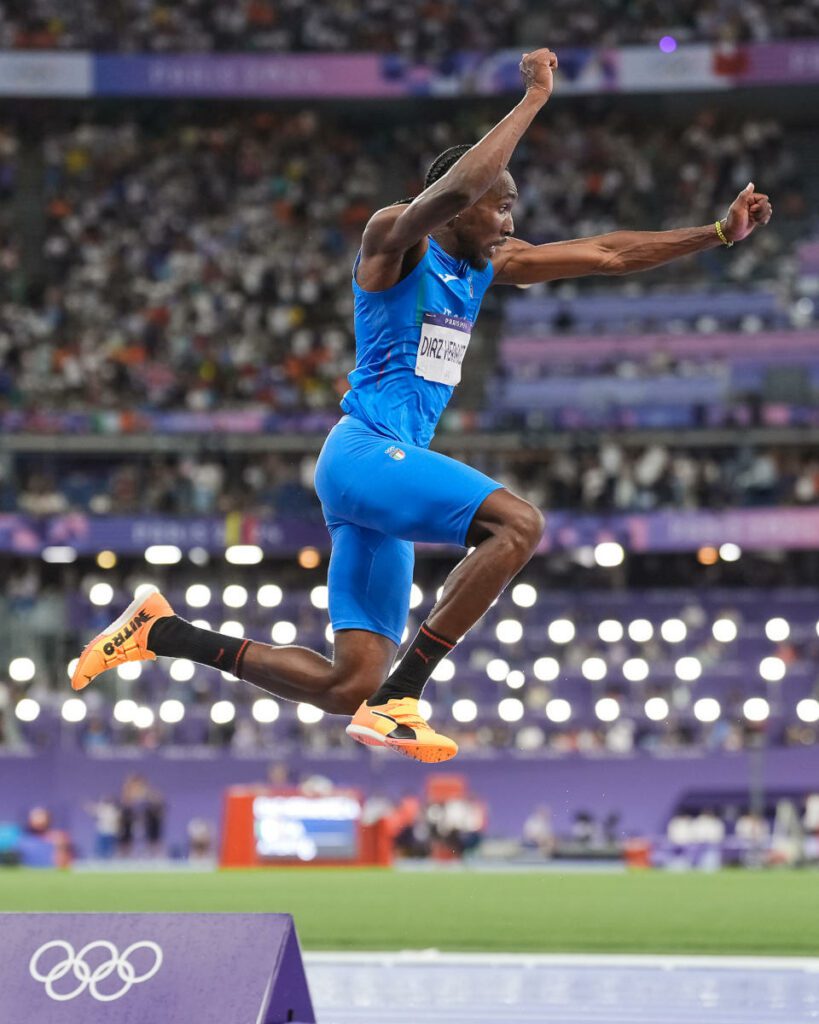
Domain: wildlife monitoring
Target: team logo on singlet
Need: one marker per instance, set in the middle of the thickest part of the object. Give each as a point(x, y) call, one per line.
point(395, 452)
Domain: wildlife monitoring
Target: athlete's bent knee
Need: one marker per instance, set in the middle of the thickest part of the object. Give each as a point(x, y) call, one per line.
point(525, 527)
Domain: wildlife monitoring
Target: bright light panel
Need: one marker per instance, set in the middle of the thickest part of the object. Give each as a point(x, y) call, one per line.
point(558, 710)
point(546, 669)
point(222, 712)
point(561, 631)
point(724, 630)
point(640, 631)
point(656, 709)
point(635, 669)
point(265, 710)
point(610, 631)
point(283, 632)
point(607, 709)
point(464, 710)
point(524, 595)
point(509, 631)
point(171, 711)
point(777, 629)
point(510, 709)
point(688, 669)
point(707, 709)
point(593, 669)
point(234, 595)
point(756, 709)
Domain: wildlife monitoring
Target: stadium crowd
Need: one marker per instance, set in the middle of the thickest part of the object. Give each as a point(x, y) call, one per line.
point(605, 477)
point(204, 263)
point(425, 30)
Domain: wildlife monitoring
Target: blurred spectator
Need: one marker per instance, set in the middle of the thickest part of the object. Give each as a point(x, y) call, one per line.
point(417, 29)
point(106, 814)
point(204, 264)
point(537, 831)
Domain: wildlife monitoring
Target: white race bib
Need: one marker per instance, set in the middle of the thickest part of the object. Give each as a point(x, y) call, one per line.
point(442, 347)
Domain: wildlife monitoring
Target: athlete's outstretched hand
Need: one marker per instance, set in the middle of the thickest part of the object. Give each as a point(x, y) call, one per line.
point(537, 68)
point(748, 211)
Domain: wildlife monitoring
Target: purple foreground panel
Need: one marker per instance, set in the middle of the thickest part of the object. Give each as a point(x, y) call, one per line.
point(134, 968)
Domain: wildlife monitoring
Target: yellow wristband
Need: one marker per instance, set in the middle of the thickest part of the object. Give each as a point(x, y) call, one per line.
point(721, 234)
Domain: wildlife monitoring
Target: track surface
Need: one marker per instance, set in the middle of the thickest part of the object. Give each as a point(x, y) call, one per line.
point(464, 989)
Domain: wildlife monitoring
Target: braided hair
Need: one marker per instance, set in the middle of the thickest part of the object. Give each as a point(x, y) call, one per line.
point(438, 168)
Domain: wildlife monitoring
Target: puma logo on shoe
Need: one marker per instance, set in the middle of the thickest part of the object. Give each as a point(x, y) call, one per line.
point(426, 657)
point(140, 619)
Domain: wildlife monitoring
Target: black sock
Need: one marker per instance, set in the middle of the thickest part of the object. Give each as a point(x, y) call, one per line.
point(415, 668)
point(173, 637)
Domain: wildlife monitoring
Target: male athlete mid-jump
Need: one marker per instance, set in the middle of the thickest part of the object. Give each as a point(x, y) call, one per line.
point(418, 280)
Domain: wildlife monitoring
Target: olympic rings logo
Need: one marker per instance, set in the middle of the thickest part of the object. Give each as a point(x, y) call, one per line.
point(88, 976)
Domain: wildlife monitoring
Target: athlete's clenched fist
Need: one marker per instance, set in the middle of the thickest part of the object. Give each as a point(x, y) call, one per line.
point(537, 68)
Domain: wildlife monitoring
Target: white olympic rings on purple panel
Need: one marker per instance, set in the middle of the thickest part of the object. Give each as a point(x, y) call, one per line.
point(88, 977)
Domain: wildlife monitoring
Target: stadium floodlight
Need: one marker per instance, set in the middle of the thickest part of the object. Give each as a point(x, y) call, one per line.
point(640, 631)
point(71, 667)
point(546, 669)
point(232, 628)
point(59, 554)
point(561, 631)
point(510, 709)
point(689, 668)
point(171, 711)
point(509, 631)
point(756, 709)
point(106, 559)
point(730, 552)
point(244, 554)
point(182, 669)
point(416, 596)
point(309, 714)
point(724, 630)
point(635, 670)
point(607, 709)
point(320, 597)
point(497, 669)
point(199, 556)
point(558, 710)
point(777, 629)
point(610, 631)
point(163, 554)
point(223, 712)
point(465, 710)
point(772, 669)
point(807, 710)
point(143, 590)
point(229, 677)
point(515, 679)
point(656, 709)
point(101, 594)
point(265, 710)
point(405, 634)
point(594, 669)
point(74, 710)
point(707, 709)
point(609, 554)
point(143, 717)
point(443, 671)
point(21, 670)
point(234, 596)
point(124, 711)
point(197, 596)
point(439, 593)
point(27, 709)
point(673, 631)
point(283, 632)
point(424, 708)
point(668, 44)
point(201, 623)
point(269, 595)
point(329, 635)
point(524, 595)
point(129, 670)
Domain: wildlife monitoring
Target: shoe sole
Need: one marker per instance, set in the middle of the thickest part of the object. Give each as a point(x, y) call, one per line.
point(426, 754)
point(113, 627)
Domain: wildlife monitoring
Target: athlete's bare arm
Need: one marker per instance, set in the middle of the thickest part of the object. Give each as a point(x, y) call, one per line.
point(624, 252)
point(394, 232)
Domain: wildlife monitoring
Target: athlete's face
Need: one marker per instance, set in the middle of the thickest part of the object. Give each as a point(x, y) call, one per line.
point(484, 227)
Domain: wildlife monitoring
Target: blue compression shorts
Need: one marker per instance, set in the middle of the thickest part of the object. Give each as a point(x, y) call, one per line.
point(380, 496)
